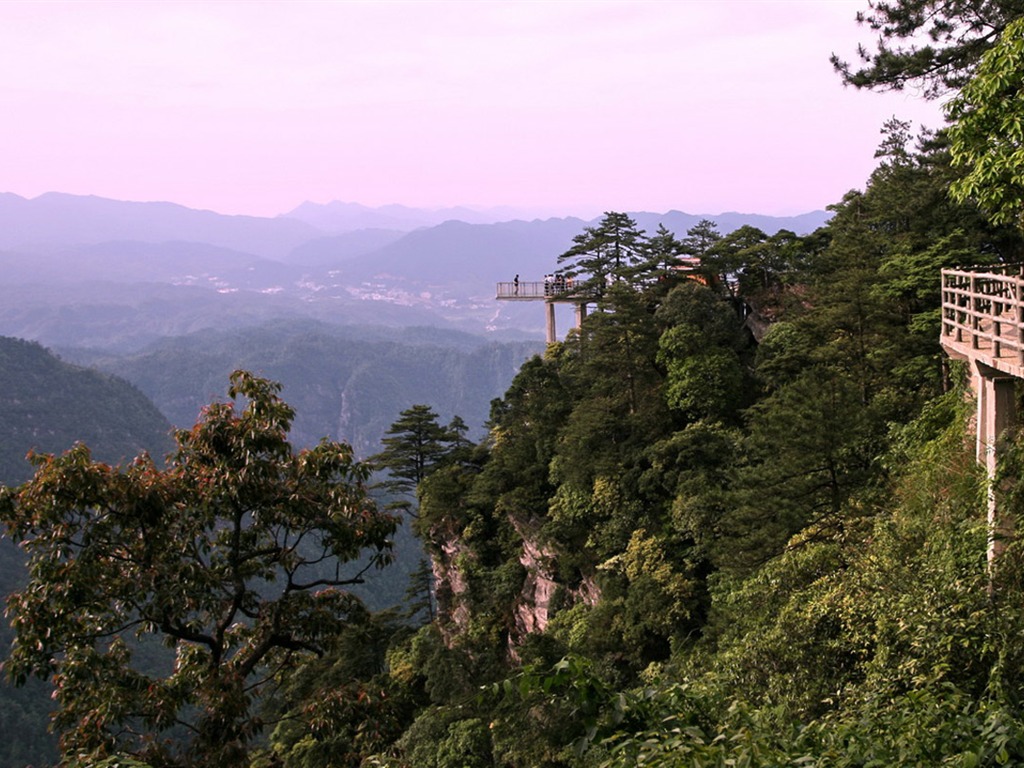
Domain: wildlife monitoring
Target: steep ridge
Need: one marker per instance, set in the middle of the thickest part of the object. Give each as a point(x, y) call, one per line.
point(346, 384)
point(47, 405)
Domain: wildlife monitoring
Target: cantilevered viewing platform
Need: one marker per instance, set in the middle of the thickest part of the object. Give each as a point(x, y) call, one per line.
point(553, 290)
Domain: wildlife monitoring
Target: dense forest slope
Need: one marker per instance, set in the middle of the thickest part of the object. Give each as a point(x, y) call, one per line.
point(345, 383)
point(47, 405)
point(677, 546)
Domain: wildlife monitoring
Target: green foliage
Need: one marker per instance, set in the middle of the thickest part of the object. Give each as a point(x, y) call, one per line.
point(941, 726)
point(701, 385)
point(987, 131)
point(874, 292)
point(615, 384)
point(810, 451)
point(116, 761)
point(700, 238)
point(935, 45)
point(47, 405)
point(219, 555)
point(443, 738)
point(420, 605)
point(730, 254)
point(663, 598)
point(613, 250)
point(663, 253)
point(878, 647)
point(700, 353)
point(336, 709)
point(414, 446)
point(569, 703)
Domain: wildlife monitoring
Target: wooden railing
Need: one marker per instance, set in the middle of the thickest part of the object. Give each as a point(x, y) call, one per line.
point(983, 307)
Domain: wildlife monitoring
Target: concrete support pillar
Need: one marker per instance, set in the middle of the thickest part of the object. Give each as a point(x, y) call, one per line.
point(549, 306)
point(997, 412)
point(581, 312)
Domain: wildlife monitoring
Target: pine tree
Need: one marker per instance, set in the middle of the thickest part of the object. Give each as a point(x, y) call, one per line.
point(414, 446)
point(610, 252)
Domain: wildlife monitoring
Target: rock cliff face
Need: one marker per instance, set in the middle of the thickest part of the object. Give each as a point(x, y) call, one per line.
point(538, 599)
point(534, 607)
point(450, 586)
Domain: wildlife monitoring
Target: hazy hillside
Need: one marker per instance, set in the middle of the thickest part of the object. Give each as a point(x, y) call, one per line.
point(125, 317)
point(57, 219)
point(335, 248)
point(337, 216)
point(176, 262)
point(459, 256)
point(347, 217)
point(342, 386)
point(48, 405)
point(85, 271)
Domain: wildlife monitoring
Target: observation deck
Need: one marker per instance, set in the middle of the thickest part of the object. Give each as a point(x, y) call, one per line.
point(547, 290)
point(552, 290)
point(983, 323)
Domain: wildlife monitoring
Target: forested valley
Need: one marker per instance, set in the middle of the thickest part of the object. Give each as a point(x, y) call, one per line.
point(734, 519)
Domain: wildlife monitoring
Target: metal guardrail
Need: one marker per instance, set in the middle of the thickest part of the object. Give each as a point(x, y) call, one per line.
point(984, 307)
point(547, 289)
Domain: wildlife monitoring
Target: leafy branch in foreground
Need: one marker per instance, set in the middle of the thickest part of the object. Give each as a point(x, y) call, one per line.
point(232, 556)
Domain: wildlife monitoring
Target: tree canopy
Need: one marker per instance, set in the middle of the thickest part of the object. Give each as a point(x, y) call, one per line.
point(987, 131)
point(414, 445)
point(611, 251)
point(232, 556)
point(934, 44)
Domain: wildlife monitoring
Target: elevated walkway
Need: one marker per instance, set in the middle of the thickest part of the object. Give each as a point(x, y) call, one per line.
point(546, 290)
point(983, 324)
point(982, 316)
point(551, 291)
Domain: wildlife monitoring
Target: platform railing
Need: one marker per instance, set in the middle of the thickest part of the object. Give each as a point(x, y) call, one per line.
point(984, 307)
point(546, 289)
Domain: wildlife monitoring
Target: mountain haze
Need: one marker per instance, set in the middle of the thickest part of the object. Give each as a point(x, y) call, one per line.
point(345, 217)
point(345, 384)
point(57, 219)
point(87, 271)
point(47, 405)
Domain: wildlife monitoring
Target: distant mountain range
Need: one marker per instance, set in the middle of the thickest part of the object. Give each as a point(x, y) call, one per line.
point(347, 217)
point(88, 271)
point(58, 220)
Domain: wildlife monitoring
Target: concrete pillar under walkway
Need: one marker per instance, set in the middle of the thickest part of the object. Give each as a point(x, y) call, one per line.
point(552, 336)
point(997, 413)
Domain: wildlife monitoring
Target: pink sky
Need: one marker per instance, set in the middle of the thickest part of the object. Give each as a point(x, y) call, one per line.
point(561, 107)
